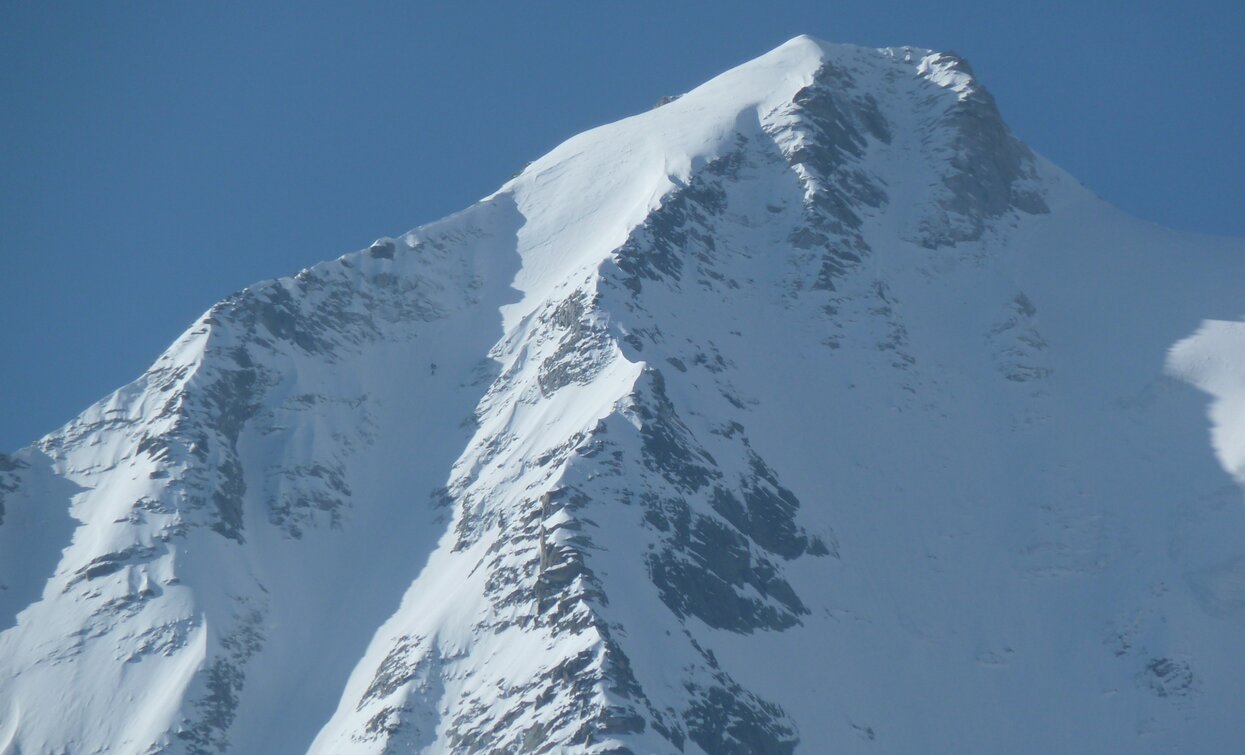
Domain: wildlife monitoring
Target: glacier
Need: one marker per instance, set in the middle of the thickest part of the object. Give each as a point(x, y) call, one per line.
point(809, 411)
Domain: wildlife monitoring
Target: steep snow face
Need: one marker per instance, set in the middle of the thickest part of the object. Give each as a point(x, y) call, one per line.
point(230, 508)
point(810, 410)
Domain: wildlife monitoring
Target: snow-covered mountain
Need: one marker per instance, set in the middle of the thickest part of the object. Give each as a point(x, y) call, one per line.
point(809, 411)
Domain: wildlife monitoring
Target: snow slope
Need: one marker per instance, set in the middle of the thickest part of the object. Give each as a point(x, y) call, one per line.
point(808, 411)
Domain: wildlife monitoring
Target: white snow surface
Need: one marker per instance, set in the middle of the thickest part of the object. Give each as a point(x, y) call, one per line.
point(810, 411)
point(1213, 359)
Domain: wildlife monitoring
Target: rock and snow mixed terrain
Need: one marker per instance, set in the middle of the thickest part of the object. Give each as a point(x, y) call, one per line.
point(809, 411)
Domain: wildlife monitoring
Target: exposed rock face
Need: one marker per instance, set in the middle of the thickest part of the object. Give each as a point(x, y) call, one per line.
point(787, 416)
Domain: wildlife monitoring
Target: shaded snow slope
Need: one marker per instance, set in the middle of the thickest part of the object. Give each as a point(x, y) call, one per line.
point(808, 411)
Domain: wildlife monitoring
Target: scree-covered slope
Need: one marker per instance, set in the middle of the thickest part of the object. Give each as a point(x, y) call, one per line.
point(809, 411)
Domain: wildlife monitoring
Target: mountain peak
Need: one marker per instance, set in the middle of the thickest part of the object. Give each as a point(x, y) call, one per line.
point(947, 68)
point(858, 128)
point(733, 426)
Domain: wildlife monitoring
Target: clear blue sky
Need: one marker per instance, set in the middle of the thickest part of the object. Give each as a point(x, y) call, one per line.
point(158, 156)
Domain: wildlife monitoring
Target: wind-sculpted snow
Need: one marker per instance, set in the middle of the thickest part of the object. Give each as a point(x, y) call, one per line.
point(809, 411)
point(1213, 359)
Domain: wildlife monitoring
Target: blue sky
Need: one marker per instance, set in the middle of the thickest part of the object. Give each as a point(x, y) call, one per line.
point(158, 156)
